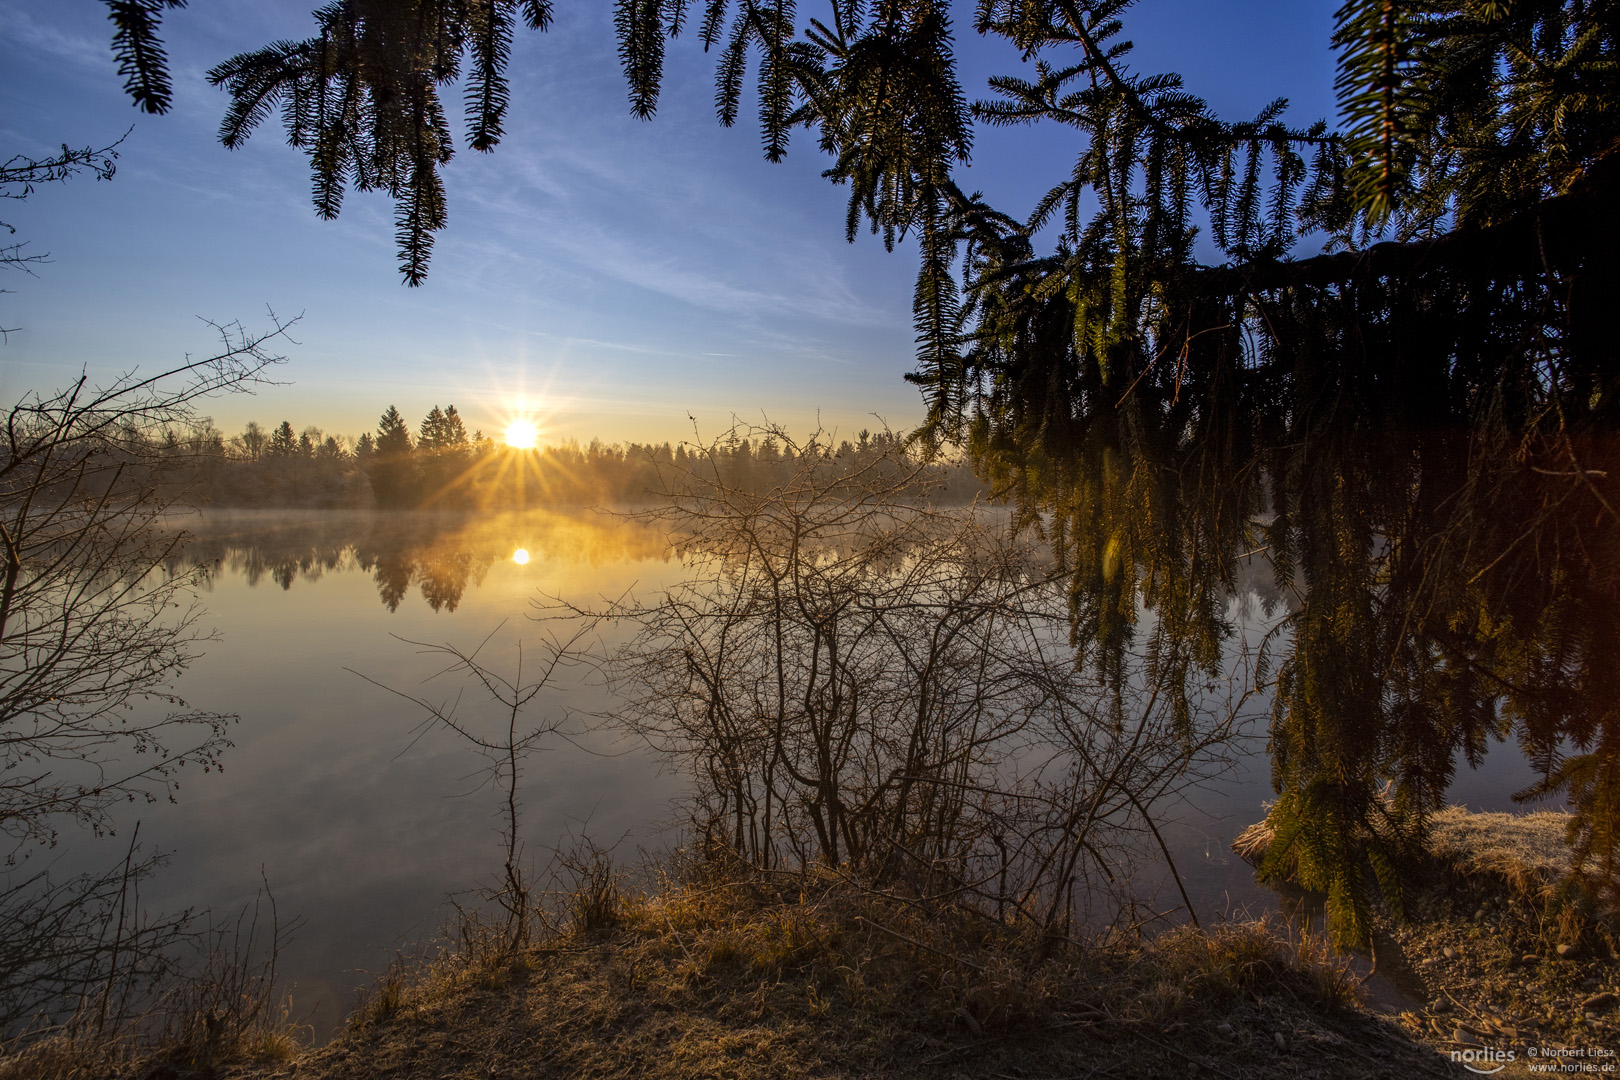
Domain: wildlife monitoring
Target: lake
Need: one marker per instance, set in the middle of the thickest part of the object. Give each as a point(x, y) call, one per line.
point(363, 824)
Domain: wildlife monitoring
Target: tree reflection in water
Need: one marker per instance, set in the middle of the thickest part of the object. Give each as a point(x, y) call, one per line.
point(441, 554)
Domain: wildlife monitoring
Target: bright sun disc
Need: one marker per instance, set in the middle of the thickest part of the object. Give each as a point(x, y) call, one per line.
point(520, 556)
point(522, 434)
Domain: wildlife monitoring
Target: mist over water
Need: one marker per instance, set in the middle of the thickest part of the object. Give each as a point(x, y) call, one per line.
point(362, 824)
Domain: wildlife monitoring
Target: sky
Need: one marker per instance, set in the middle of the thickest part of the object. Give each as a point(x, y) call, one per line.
point(615, 278)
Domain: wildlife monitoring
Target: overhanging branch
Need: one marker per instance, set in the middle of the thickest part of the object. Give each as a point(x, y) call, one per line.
point(1560, 233)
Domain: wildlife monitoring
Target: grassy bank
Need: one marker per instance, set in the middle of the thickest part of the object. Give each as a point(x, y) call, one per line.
point(808, 977)
point(736, 974)
point(743, 976)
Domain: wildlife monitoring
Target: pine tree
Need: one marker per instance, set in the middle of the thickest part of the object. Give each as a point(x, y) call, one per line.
point(431, 435)
point(1428, 422)
point(283, 443)
point(393, 437)
point(390, 464)
point(455, 431)
point(443, 457)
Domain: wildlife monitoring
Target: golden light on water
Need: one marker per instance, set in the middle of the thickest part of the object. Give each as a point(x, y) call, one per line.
point(522, 434)
point(520, 556)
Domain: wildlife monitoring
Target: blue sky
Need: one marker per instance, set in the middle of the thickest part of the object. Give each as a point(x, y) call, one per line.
point(615, 275)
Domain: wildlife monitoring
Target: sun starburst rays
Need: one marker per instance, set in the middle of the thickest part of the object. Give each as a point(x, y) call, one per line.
point(522, 434)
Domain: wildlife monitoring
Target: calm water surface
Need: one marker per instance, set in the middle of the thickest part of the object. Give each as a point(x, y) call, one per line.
point(362, 829)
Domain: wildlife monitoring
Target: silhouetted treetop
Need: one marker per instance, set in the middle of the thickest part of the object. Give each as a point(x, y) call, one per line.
point(442, 429)
point(393, 437)
point(283, 443)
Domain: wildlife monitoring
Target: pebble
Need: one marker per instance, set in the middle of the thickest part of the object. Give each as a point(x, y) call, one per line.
point(1466, 1038)
point(1450, 953)
point(1479, 916)
point(1224, 1029)
point(1530, 958)
point(1566, 951)
point(1428, 961)
point(1599, 1002)
point(1277, 1037)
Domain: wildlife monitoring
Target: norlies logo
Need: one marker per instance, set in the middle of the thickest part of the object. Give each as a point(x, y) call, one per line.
point(1483, 1061)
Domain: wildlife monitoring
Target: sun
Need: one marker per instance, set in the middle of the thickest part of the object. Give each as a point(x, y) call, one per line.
point(522, 434)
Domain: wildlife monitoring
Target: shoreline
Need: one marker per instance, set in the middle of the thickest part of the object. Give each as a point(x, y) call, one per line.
point(728, 972)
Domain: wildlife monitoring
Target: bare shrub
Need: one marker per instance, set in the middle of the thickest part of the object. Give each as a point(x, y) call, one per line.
point(591, 892)
point(499, 731)
point(81, 951)
point(94, 625)
point(181, 992)
point(858, 681)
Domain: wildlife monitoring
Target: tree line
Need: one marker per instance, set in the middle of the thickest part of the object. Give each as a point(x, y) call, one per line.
point(442, 465)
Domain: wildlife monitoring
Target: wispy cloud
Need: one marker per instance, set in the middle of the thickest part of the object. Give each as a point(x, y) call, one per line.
point(599, 214)
point(76, 48)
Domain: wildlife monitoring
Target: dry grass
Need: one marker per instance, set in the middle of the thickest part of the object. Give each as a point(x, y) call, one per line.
point(1526, 852)
point(737, 975)
point(1523, 856)
point(200, 1050)
point(1252, 843)
point(217, 1009)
